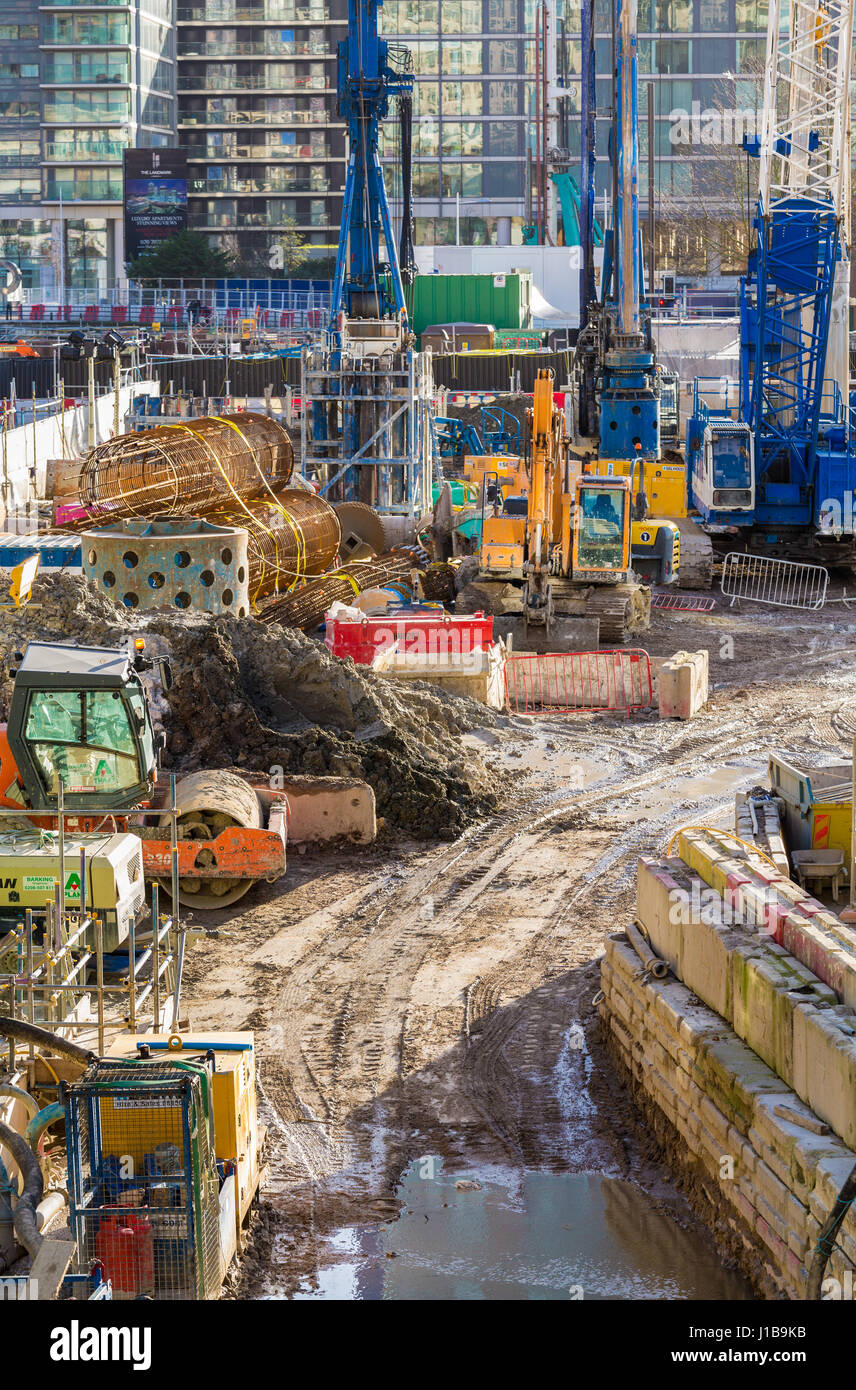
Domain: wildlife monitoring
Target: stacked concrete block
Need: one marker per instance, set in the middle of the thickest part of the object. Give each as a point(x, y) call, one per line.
point(744, 1131)
point(756, 891)
point(774, 1003)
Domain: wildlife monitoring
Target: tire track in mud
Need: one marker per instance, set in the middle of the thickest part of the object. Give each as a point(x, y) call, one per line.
point(361, 1067)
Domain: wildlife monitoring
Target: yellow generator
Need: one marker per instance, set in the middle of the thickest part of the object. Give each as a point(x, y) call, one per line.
point(164, 1144)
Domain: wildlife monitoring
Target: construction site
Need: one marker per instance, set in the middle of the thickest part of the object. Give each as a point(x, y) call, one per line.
point(427, 851)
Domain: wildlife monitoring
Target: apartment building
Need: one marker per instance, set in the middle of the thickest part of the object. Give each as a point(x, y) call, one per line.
point(256, 84)
point(79, 83)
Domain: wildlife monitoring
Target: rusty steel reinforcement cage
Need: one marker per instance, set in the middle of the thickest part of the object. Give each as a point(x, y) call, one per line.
point(143, 1179)
point(289, 538)
point(306, 607)
point(188, 468)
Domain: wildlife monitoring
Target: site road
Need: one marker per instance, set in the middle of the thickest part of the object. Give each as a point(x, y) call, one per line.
point(412, 1001)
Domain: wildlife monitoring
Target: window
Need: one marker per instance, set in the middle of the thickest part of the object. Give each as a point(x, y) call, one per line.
point(751, 55)
point(714, 55)
point(750, 14)
point(502, 16)
point(502, 55)
point(713, 15)
point(504, 137)
point(502, 98)
point(675, 16)
point(88, 29)
point(462, 137)
point(462, 16)
point(463, 57)
point(426, 99)
point(426, 138)
point(674, 55)
point(426, 180)
point(84, 739)
point(503, 180)
point(462, 98)
point(425, 58)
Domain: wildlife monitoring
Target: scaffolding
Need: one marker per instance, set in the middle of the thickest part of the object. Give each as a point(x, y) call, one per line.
point(365, 427)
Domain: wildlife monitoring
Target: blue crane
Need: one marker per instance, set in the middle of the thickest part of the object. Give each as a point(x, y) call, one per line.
point(777, 462)
point(618, 397)
point(369, 73)
point(365, 429)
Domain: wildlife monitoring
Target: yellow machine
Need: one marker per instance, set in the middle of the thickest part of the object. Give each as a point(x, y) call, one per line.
point(557, 556)
point(691, 548)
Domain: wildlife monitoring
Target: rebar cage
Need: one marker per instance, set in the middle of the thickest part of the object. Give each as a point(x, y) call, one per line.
point(143, 1180)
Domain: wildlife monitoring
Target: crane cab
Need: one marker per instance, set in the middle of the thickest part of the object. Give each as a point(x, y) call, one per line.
point(601, 532)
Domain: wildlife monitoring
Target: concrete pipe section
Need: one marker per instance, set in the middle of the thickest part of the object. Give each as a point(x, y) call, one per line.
point(175, 562)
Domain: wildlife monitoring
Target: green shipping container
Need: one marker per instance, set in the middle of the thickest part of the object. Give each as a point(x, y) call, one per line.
point(500, 299)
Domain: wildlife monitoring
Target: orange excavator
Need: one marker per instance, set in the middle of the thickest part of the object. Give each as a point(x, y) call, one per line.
point(555, 561)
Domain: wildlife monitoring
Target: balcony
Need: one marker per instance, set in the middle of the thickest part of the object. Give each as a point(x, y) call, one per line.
point(84, 152)
point(263, 186)
point(261, 118)
point(270, 13)
point(271, 48)
point(254, 82)
point(96, 191)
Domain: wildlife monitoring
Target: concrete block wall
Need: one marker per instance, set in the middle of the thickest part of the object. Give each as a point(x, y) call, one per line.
point(774, 1003)
point(735, 1123)
point(807, 929)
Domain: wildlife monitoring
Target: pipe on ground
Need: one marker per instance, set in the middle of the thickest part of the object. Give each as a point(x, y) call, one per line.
point(652, 962)
point(25, 1215)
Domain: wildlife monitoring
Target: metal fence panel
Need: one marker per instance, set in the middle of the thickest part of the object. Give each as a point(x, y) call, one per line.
point(681, 603)
point(781, 583)
point(574, 681)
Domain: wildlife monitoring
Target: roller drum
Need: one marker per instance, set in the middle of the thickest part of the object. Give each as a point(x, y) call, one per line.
point(209, 803)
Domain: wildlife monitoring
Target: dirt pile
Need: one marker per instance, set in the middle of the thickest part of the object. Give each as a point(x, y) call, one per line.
point(260, 697)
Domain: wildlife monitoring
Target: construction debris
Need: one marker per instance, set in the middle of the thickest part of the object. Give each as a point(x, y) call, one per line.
point(257, 698)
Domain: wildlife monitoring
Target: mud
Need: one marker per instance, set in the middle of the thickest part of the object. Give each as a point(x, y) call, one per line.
point(259, 697)
point(410, 1004)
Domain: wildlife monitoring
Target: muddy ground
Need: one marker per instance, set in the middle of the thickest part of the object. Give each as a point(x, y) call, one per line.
point(411, 1000)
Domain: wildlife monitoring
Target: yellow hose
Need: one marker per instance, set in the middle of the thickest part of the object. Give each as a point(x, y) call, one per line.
point(729, 834)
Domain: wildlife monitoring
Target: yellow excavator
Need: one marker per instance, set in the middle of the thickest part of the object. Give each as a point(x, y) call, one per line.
point(554, 563)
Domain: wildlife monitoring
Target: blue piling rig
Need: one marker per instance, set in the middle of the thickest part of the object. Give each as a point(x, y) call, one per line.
point(777, 467)
point(367, 390)
point(369, 73)
point(617, 390)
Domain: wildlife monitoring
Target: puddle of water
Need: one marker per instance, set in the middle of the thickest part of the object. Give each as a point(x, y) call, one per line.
point(528, 1236)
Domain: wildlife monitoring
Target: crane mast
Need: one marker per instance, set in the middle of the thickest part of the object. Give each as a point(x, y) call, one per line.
point(369, 74)
point(366, 390)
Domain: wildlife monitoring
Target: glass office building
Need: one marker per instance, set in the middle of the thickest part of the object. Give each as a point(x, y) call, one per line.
point(474, 141)
point(78, 84)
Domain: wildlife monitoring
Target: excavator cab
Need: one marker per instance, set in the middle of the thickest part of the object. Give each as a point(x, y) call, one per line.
point(79, 716)
point(601, 532)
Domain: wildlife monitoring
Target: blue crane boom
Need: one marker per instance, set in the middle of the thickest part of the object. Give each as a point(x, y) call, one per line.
point(369, 73)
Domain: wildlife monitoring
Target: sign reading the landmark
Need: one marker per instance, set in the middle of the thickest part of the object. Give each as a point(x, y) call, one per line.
point(155, 198)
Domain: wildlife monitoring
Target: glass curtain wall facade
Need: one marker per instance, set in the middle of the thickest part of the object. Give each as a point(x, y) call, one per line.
point(79, 83)
point(474, 140)
point(257, 101)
